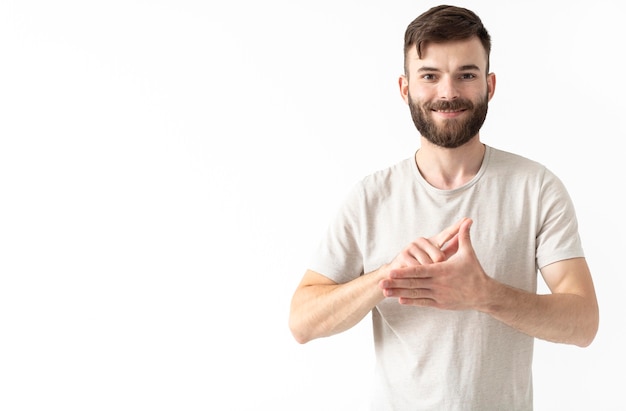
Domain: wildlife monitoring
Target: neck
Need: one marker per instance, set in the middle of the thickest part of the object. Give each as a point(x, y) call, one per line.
point(449, 168)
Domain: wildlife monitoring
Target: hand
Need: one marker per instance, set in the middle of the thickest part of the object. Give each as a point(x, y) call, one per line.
point(450, 278)
point(435, 249)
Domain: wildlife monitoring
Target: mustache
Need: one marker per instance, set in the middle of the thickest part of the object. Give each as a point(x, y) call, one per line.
point(459, 104)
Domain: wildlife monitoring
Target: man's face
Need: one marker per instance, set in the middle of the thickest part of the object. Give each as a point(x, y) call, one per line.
point(448, 91)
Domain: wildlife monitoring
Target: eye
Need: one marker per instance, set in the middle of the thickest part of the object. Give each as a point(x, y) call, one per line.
point(428, 77)
point(467, 76)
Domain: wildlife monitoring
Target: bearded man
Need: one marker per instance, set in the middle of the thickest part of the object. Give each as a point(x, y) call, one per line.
point(454, 316)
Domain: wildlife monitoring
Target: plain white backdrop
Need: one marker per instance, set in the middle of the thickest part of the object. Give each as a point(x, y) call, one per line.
point(167, 168)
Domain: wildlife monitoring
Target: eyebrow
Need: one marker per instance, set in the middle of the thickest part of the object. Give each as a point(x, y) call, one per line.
point(466, 67)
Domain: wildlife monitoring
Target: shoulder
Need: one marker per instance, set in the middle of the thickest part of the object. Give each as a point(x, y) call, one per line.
point(501, 158)
point(506, 164)
point(383, 183)
point(388, 177)
point(521, 173)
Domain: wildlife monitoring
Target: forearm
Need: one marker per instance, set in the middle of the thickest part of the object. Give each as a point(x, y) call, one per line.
point(321, 310)
point(558, 317)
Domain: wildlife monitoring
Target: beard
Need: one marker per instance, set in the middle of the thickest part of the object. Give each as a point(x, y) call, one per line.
point(453, 132)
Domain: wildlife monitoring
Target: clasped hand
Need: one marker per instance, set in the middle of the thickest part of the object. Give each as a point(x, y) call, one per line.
point(442, 272)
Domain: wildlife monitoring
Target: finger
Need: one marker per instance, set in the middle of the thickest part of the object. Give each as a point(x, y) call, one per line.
point(411, 256)
point(448, 233)
point(425, 252)
point(451, 247)
point(464, 234)
point(417, 271)
point(406, 283)
point(418, 302)
point(408, 293)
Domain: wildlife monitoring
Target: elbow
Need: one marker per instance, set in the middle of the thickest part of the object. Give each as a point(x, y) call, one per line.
point(586, 340)
point(591, 336)
point(297, 335)
point(298, 331)
point(300, 339)
point(591, 330)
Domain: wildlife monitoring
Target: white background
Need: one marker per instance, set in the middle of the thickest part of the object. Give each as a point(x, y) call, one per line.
point(167, 167)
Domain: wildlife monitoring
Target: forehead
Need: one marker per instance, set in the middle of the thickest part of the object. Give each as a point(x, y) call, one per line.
point(449, 55)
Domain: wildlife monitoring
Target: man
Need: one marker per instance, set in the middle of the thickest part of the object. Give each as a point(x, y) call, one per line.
point(454, 315)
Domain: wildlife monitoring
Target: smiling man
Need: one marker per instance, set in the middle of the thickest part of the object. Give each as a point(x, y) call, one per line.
point(454, 315)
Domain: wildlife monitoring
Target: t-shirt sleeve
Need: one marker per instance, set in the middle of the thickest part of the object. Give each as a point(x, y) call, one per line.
point(338, 255)
point(558, 237)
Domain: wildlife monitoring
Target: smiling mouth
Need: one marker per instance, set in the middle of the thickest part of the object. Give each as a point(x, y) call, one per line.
point(451, 107)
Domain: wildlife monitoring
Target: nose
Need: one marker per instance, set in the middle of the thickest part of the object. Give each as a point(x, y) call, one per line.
point(447, 89)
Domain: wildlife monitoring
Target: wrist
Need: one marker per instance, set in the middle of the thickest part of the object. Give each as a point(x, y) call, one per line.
point(493, 297)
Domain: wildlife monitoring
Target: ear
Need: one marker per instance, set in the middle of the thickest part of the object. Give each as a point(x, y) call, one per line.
point(403, 82)
point(491, 84)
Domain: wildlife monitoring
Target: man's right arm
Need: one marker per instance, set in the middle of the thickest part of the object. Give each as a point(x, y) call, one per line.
point(320, 307)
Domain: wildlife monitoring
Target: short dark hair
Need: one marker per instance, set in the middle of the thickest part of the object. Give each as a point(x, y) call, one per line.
point(444, 23)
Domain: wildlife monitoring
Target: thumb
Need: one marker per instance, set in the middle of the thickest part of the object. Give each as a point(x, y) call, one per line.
point(464, 234)
point(461, 240)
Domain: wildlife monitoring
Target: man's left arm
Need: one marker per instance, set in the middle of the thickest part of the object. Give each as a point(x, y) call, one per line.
point(568, 315)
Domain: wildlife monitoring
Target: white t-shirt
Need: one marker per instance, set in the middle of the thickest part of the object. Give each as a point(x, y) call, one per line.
point(430, 359)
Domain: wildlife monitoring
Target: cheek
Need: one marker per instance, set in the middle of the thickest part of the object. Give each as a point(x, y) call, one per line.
point(417, 100)
point(421, 94)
